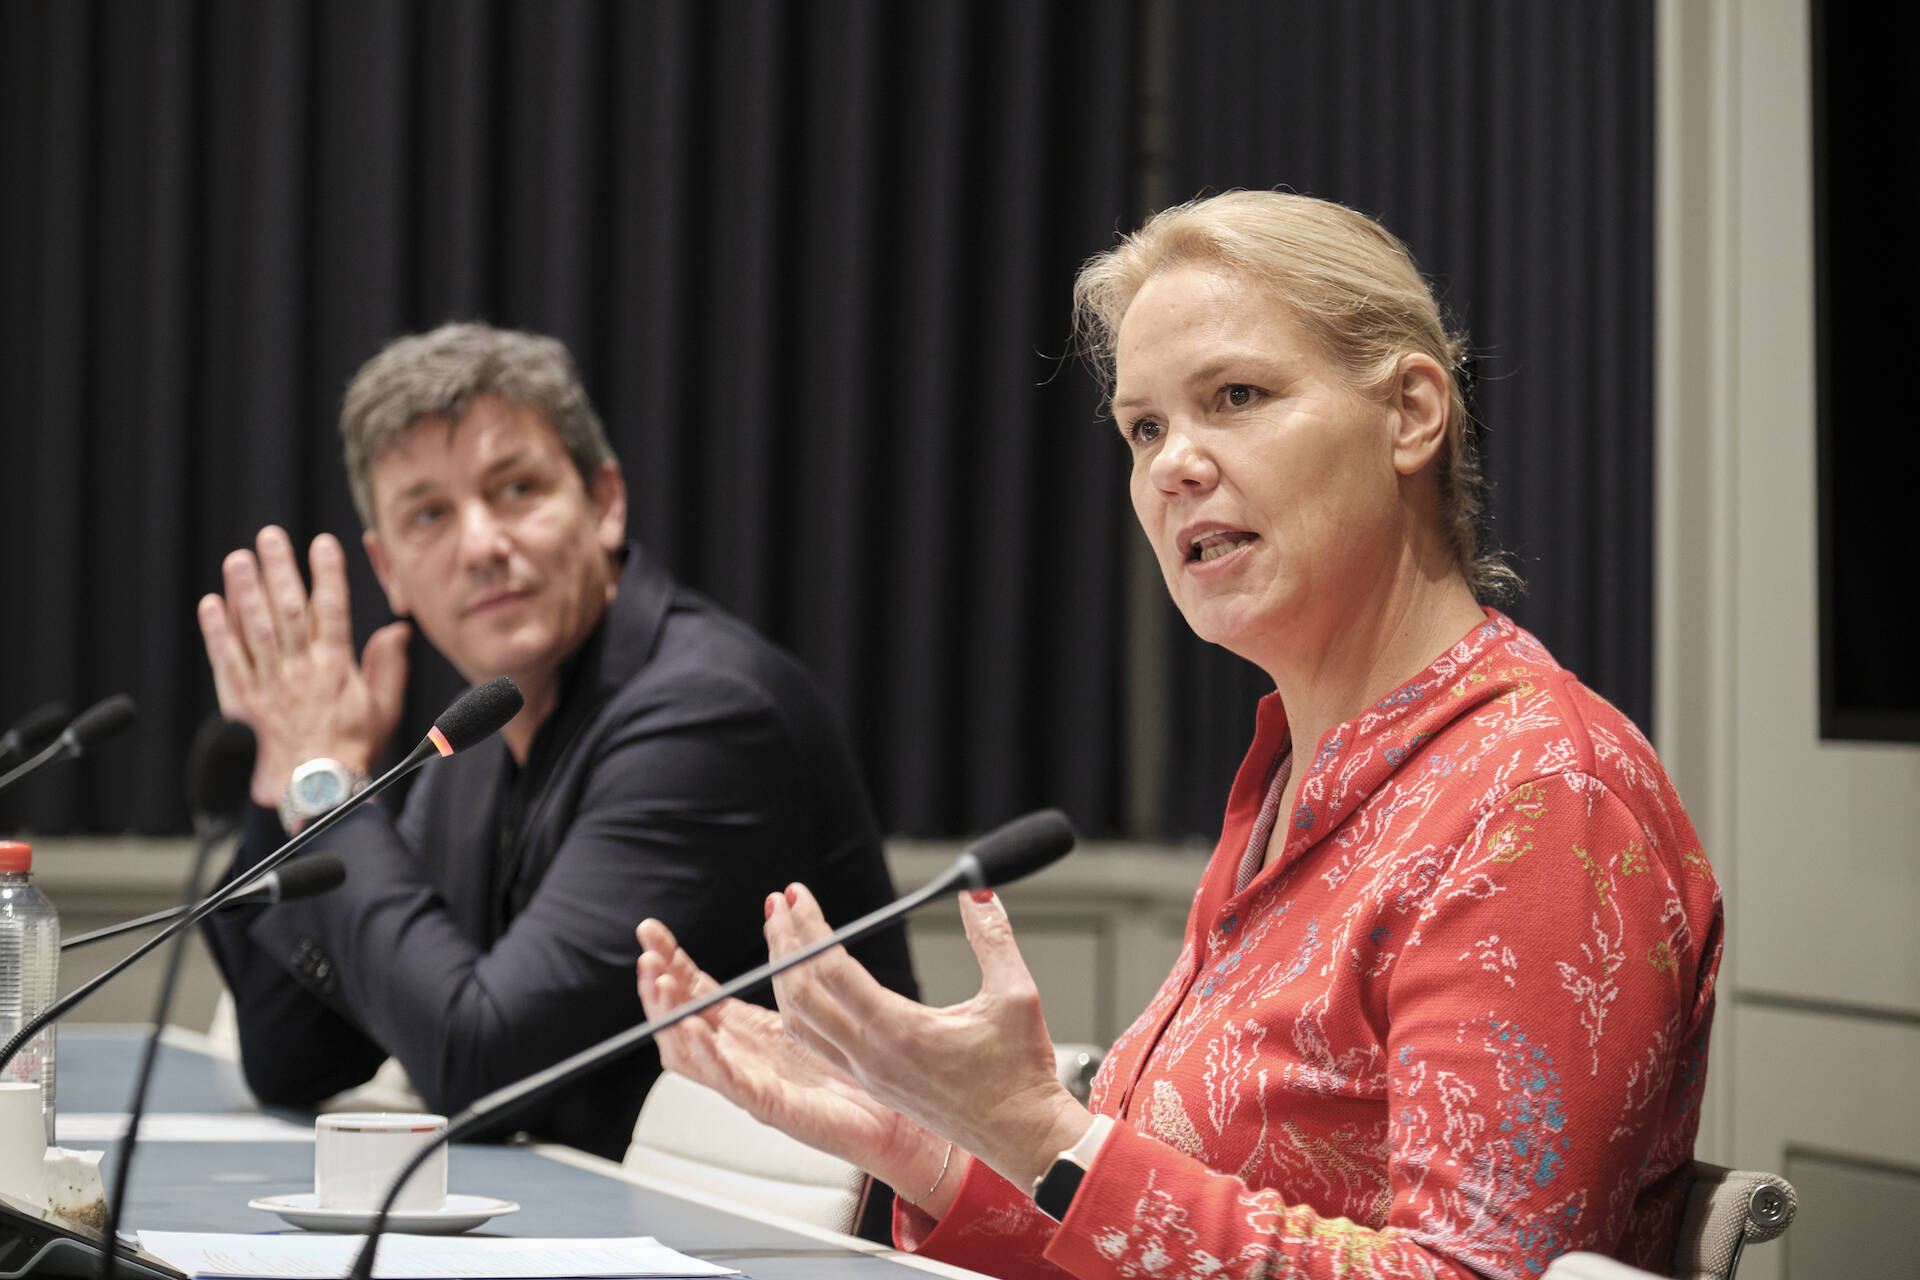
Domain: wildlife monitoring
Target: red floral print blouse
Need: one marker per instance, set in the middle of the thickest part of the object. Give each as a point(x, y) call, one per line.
point(1456, 1028)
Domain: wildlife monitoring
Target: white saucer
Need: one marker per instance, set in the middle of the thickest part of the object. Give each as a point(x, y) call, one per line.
point(462, 1213)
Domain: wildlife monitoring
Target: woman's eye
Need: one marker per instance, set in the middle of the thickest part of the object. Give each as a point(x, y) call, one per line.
point(1145, 431)
point(1239, 395)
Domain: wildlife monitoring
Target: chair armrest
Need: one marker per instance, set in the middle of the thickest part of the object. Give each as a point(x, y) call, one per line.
point(1076, 1065)
point(1728, 1209)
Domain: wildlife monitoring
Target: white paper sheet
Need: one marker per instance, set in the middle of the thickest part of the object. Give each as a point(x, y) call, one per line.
point(180, 1126)
point(304, 1255)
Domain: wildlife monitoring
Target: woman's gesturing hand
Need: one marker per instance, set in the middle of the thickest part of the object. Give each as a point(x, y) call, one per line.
point(743, 1052)
point(980, 1072)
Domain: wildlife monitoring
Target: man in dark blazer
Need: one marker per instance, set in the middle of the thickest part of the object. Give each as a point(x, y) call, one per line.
point(668, 762)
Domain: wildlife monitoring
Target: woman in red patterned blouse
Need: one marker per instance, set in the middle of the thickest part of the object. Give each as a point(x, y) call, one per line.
point(1443, 1004)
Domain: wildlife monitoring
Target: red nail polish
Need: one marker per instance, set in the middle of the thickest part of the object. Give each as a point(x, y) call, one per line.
point(793, 897)
point(983, 895)
point(769, 906)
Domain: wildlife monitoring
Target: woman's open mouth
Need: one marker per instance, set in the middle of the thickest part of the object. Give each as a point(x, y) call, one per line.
point(1215, 545)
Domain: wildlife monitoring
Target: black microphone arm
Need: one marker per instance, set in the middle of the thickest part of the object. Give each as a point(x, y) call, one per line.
point(219, 771)
point(1004, 854)
point(315, 874)
point(475, 715)
point(31, 731)
point(101, 720)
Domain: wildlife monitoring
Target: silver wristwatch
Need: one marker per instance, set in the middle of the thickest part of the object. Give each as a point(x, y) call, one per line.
point(317, 787)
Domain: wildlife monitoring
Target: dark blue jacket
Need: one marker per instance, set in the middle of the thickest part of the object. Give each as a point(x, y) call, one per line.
point(690, 769)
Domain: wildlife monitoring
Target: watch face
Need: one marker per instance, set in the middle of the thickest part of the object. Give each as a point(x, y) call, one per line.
point(1054, 1195)
point(319, 790)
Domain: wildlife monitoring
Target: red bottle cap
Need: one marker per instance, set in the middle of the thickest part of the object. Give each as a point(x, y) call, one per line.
point(16, 855)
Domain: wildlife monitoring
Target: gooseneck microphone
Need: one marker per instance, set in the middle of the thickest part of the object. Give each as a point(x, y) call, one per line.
point(474, 716)
point(30, 732)
point(219, 774)
point(307, 877)
point(1005, 854)
point(97, 723)
point(100, 721)
point(311, 876)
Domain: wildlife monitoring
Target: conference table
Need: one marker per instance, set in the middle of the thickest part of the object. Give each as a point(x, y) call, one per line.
point(204, 1161)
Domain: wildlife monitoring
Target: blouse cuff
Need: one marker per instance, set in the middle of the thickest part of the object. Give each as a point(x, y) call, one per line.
point(984, 1204)
point(1108, 1199)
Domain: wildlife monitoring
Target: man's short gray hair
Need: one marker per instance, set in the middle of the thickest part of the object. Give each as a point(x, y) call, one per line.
point(439, 374)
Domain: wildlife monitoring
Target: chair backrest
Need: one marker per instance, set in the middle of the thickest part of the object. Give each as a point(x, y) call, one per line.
point(223, 1033)
point(1727, 1210)
point(689, 1135)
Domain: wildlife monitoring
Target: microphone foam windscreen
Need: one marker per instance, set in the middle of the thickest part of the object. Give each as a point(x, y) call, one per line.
point(476, 715)
point(220, 768)
point(314, 874)
point(103, 719)
point(35, 728)
point(1023, 846)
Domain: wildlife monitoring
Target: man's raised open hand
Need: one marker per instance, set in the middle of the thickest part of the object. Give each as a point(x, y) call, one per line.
point(283, 661)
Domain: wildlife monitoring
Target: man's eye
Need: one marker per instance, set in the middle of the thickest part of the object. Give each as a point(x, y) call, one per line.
point(1237, 394)
point(422, 517)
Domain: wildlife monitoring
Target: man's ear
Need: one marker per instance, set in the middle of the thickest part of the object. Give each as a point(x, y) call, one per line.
point(609, 498)
point(383, 570)
point(1422, 402)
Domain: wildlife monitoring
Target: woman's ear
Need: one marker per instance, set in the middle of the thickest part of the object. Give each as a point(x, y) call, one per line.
point(1422, 401)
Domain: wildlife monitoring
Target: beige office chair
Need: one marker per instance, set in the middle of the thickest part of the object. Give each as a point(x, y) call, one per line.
point(691, 1136)
point(1727, 1209)
point(223, 1033)
point(1078, 1066)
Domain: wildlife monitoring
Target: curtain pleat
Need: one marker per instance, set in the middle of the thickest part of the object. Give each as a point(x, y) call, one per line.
point(814, 261)
point(1511, 145)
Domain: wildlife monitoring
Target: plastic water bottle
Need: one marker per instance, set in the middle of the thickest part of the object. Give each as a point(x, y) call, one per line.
point(29, 969)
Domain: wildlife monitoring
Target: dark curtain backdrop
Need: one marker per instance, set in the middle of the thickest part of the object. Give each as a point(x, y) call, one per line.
point(814, 260)
point(1510, 144)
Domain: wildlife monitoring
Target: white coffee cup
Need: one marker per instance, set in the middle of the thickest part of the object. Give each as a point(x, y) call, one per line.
point(23, 1143)
point(357, 1155)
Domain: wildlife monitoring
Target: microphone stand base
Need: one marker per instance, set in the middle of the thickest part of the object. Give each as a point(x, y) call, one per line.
point(33, 1242)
